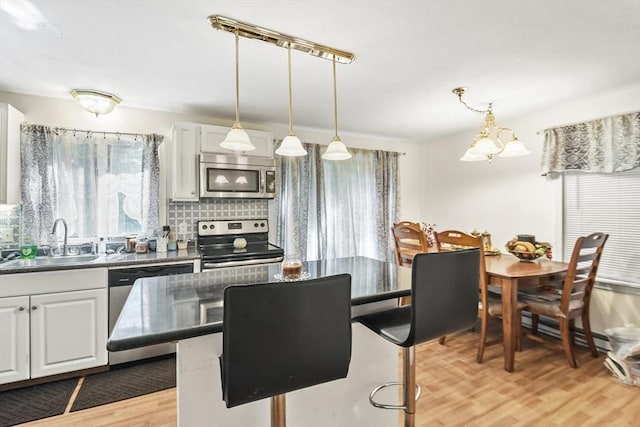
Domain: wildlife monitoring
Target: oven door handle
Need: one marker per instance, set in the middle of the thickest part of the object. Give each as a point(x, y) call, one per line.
point(241, 263)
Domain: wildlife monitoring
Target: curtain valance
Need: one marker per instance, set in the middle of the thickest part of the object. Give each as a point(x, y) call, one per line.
point(610, 144)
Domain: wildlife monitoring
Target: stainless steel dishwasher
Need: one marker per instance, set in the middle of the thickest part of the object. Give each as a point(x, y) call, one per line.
point(120, 284)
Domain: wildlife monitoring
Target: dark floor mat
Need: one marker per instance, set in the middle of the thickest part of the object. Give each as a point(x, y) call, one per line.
point(126, 381)
point(35, 402)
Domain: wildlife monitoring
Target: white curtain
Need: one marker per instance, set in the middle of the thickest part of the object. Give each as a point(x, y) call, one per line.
point(333, 209)
point(101, 184)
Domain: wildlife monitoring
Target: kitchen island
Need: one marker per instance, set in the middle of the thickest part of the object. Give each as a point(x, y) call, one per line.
point(188, 309)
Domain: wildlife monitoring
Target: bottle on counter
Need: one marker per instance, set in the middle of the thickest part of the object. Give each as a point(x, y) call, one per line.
point(102, 246)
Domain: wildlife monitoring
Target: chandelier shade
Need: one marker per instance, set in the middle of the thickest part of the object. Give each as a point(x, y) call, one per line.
point(514, 148)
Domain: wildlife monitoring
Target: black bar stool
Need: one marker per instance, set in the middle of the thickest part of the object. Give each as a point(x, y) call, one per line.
point(285, 336)
point(444, 299)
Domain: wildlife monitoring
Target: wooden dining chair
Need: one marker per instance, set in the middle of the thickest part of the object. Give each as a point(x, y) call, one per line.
point(409, 240)
point(489, 305)
point(572, 299)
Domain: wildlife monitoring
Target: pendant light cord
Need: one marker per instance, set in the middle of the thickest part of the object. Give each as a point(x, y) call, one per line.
point(335, 97)
point(237, 80)
point(290, 96)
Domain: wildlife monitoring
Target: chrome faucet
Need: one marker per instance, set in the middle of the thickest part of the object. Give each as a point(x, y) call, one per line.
point(66, 228)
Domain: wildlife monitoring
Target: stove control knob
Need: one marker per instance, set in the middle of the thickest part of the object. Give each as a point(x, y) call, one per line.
point(204, 227)
point(255, 225)
point(262, 224)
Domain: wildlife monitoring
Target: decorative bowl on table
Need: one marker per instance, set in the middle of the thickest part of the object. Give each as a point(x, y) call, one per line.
point(528, 251)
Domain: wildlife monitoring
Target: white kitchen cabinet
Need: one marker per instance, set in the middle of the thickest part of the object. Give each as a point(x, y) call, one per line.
point(10, 120)
point(52, 322)
point(68, 331)
point(211, 137)
point(14, 336)
point(183, 183)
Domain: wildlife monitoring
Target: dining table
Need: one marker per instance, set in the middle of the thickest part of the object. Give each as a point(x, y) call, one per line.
point(510, 274)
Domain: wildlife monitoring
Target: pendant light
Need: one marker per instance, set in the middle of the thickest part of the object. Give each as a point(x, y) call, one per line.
point(291, 145)
point(336, 150)
point(237, 139)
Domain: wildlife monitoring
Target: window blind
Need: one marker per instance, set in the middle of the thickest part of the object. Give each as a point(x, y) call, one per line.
point(608, 203)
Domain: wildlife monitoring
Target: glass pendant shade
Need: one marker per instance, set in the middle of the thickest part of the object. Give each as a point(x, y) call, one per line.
point(237, 140)
point(336, 151)
point(291, 146)
point(514, 148)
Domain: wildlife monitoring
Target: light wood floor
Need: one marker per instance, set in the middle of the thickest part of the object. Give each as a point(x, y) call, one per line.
point(543, 391)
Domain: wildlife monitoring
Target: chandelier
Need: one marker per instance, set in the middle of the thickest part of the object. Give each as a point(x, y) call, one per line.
point(487, 143)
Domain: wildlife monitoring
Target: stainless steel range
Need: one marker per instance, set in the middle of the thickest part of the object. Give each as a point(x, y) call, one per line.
point(235, 243)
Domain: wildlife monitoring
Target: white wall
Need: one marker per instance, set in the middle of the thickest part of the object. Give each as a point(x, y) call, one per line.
point(508, 196)
point(66, 113)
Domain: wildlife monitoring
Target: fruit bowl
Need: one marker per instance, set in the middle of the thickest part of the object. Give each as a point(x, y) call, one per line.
point(528, 251)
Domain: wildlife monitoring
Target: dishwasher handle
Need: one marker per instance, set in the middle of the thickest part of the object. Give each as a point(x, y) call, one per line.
point(126, 276)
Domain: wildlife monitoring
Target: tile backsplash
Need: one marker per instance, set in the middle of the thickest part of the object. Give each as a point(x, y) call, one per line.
point(212, 209)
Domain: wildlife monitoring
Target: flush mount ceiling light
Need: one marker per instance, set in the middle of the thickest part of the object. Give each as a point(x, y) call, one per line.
point(291, 145)
point(237, 139)
point(483, 147)
point(336, 149)
point(94, 101)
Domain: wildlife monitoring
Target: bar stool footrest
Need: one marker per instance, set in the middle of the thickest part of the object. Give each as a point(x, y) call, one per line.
point(388, 406)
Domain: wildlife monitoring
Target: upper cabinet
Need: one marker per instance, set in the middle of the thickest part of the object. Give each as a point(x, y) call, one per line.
point(10, 120)
point(189, 139)
point(183, 179)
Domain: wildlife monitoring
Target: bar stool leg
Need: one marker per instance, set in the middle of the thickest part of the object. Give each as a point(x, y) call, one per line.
point(409, 370)
point(278, 411)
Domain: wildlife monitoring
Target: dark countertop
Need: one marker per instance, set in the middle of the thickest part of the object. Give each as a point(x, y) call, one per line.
point(171, 308)
point(109, 261)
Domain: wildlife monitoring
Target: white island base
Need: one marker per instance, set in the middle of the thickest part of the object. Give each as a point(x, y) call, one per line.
point(340, 403)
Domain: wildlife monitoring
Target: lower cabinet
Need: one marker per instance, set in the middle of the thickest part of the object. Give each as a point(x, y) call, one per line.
point(14, 339)
point(50, 333)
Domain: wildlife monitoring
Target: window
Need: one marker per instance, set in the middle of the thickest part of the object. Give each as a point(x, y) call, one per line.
point(331, 209)
point(608, 203)
point(102, 185)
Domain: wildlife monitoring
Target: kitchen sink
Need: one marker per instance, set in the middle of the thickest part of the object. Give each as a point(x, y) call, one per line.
point(44, 261)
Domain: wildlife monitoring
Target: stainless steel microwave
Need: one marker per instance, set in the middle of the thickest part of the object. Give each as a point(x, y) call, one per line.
point(225, 176)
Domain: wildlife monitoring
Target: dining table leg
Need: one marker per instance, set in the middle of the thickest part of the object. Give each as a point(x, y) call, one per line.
point(509, 323)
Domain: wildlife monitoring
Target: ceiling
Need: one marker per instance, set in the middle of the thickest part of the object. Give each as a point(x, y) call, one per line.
point(163, 55)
